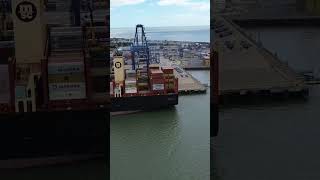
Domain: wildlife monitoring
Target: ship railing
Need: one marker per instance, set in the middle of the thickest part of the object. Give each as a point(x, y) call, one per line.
point(29, 101)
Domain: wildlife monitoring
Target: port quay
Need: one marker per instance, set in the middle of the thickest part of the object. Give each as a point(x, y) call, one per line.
point(268, 90)
point(181, 56)
point(255, 70)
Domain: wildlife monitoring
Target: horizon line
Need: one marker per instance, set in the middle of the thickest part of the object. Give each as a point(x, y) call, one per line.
point(162, 26)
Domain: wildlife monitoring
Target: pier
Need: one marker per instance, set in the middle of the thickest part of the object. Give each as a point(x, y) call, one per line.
point(246, 67)
point(186, 82)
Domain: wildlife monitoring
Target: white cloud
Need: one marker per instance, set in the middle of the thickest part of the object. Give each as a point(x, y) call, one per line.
point(117, 3)
point(195, 5)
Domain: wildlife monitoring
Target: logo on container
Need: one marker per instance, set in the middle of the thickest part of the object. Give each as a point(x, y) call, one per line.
point(118, 65)
point(26, 11)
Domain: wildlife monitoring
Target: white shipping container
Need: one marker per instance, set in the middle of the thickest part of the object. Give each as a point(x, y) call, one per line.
point(67, 95)
point(4, 84)
point(158, 87)
point(65, 87)
point(62, 91)
point(131, 90)
point(133, 81)
point(65, 68)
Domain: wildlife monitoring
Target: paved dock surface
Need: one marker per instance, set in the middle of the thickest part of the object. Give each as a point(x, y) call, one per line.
point(251, 67)
point(186, 82)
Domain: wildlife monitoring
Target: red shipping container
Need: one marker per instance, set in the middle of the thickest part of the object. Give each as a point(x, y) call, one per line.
point(167, 70)
point(156, 77)
point(157, 81)
point(156, 71)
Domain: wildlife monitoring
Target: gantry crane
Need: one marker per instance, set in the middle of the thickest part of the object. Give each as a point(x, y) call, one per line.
point(140, 49)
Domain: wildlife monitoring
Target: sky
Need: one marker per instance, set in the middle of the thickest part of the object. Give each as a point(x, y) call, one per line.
point(159, 13)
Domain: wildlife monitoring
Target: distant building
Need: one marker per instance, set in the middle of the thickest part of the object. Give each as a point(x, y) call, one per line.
point(206, 61)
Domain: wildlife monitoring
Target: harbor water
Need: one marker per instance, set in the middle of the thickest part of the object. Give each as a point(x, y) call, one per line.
point(191, 33)
point(279, 139)
point(171, 144)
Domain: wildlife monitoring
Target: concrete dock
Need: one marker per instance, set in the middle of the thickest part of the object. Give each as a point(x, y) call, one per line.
point(187, 84)
point(245, 66)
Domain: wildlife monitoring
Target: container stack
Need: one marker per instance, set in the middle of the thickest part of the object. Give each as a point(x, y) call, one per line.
point(111, 88)
point(142, 79)
point(130, 86)
point(169, 78)
point(130, 82)
point(66, 78)
point(157, 80)
point(131, 75)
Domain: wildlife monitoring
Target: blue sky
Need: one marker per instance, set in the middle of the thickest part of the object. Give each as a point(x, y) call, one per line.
point(159, 13)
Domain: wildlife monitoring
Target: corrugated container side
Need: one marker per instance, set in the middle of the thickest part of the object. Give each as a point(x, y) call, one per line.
point(4, 84)
point(131, 90)
point(143, 84)
point(65, 68)
point(157, 87)
point(156, 81)
point(167, 70)
point(66, 86)
point(67, 95)
point(66, 78)
point(61, 91)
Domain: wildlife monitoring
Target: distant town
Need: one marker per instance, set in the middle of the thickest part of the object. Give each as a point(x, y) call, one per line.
point(188, 55)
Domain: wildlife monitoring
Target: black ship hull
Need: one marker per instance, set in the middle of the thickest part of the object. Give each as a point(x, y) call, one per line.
point(43, 135)
point(45, 138)
point(147, 103)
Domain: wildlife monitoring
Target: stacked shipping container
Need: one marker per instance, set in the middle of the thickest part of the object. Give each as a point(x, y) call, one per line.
point(66, 79)
point(130, 82)
point(157, 80)
point(142, 79)
point(169, 79)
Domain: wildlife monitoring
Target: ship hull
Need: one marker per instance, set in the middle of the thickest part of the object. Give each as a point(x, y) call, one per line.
point(53, 134)
point(65, 134)
point(143, 102)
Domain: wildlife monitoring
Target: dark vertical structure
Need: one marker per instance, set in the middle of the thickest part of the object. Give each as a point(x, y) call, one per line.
point(214, 73)
point(215, 94)
point(75, 9)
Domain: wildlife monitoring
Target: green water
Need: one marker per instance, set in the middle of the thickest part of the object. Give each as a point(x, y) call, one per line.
point(171, 144)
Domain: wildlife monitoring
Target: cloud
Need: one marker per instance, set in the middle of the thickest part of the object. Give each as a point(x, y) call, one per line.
point(117, 3)
point(195, 5)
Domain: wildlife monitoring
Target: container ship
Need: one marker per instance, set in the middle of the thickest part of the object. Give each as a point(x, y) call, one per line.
point(137, 81)
point(54, 91)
